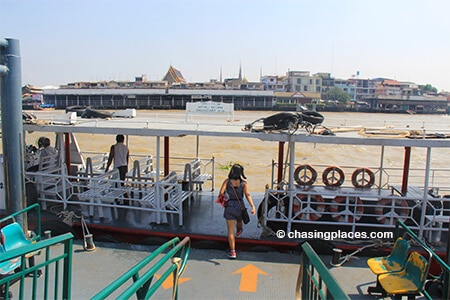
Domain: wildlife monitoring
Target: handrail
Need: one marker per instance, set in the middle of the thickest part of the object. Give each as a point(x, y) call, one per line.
point(314, 281)
point(394, 174)
point(22, 211)
point(445, 267)
point(141, 285)
point(51, 262)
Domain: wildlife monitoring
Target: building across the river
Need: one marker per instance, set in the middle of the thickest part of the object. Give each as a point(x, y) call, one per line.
point(144, 98)
point(271, 93)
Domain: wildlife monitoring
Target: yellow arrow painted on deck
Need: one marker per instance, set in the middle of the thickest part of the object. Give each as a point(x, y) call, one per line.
point(168, 283)
point(249, 278)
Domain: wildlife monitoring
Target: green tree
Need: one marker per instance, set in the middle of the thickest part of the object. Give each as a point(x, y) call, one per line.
point(428, 88)
point(336, 94)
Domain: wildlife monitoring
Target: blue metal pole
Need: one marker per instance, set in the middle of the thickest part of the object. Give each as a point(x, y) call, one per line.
point(12, 127)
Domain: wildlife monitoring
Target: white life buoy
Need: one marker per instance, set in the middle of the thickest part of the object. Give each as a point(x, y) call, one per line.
point(363, 178)
point(333, 176)
point(305, 175)
point(337, 214)
point(316, 210)
point(400, 207)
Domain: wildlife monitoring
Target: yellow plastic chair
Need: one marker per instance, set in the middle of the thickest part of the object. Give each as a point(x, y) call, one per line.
point(395, 261)
point(410, 281)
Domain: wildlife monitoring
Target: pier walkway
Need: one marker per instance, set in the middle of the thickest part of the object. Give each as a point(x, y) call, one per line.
point(210, 274)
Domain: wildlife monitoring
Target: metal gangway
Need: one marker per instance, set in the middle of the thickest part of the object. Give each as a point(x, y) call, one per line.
point(173, 264)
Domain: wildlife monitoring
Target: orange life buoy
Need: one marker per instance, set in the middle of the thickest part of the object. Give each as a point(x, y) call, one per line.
point(305, 175)
point(363, 178)
point(351, 214)
point(333, 176)
point(313, 210)
point(400, 208)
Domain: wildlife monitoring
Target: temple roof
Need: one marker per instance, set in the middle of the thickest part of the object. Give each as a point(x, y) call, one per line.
point(174, 76)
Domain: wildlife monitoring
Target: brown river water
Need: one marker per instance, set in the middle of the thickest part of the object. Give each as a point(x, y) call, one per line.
point(256, 156)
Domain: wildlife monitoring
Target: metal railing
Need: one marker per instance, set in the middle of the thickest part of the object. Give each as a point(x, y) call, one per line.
point(357, 209)
point(21, 218)
point(384, 176)
point(314, 281)
point(445, 275)
point(142, 274)
point(56, 278)
point(48, 273)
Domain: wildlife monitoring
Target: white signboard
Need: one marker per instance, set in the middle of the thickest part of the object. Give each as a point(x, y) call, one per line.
point(209, 107)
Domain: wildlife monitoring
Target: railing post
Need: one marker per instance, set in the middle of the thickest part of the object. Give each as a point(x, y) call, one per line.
point(177, 262)
point(67, 276)
point(292, 189)
point(425, 192)
point(314, 279)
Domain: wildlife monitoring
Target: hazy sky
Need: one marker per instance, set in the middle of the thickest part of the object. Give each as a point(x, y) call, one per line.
point(65, 41)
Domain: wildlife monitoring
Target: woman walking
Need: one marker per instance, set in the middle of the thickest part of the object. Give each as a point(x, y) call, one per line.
point(234, 188)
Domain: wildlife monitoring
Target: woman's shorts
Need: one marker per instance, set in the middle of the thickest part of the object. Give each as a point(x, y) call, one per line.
point(233, 210)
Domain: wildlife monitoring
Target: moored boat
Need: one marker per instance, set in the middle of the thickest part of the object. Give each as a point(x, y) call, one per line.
point(301, 195)
point(79, 109)
point(89, 112)
point(94, 113)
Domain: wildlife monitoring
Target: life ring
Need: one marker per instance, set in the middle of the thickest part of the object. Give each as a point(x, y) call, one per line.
point(353, 215)
point(308, 175)
point(360, 180)
point(330, 179)
point(400, 208)
point(313, 211)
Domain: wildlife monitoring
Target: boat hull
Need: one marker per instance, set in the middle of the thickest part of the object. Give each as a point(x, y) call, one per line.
point(90, 113)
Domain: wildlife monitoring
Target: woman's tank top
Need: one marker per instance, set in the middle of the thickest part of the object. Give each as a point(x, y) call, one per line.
point(239, 191)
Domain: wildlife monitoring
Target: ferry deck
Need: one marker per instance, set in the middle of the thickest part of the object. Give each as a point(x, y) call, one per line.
point(287, 204)
point(209, 274)
point(201, 219)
